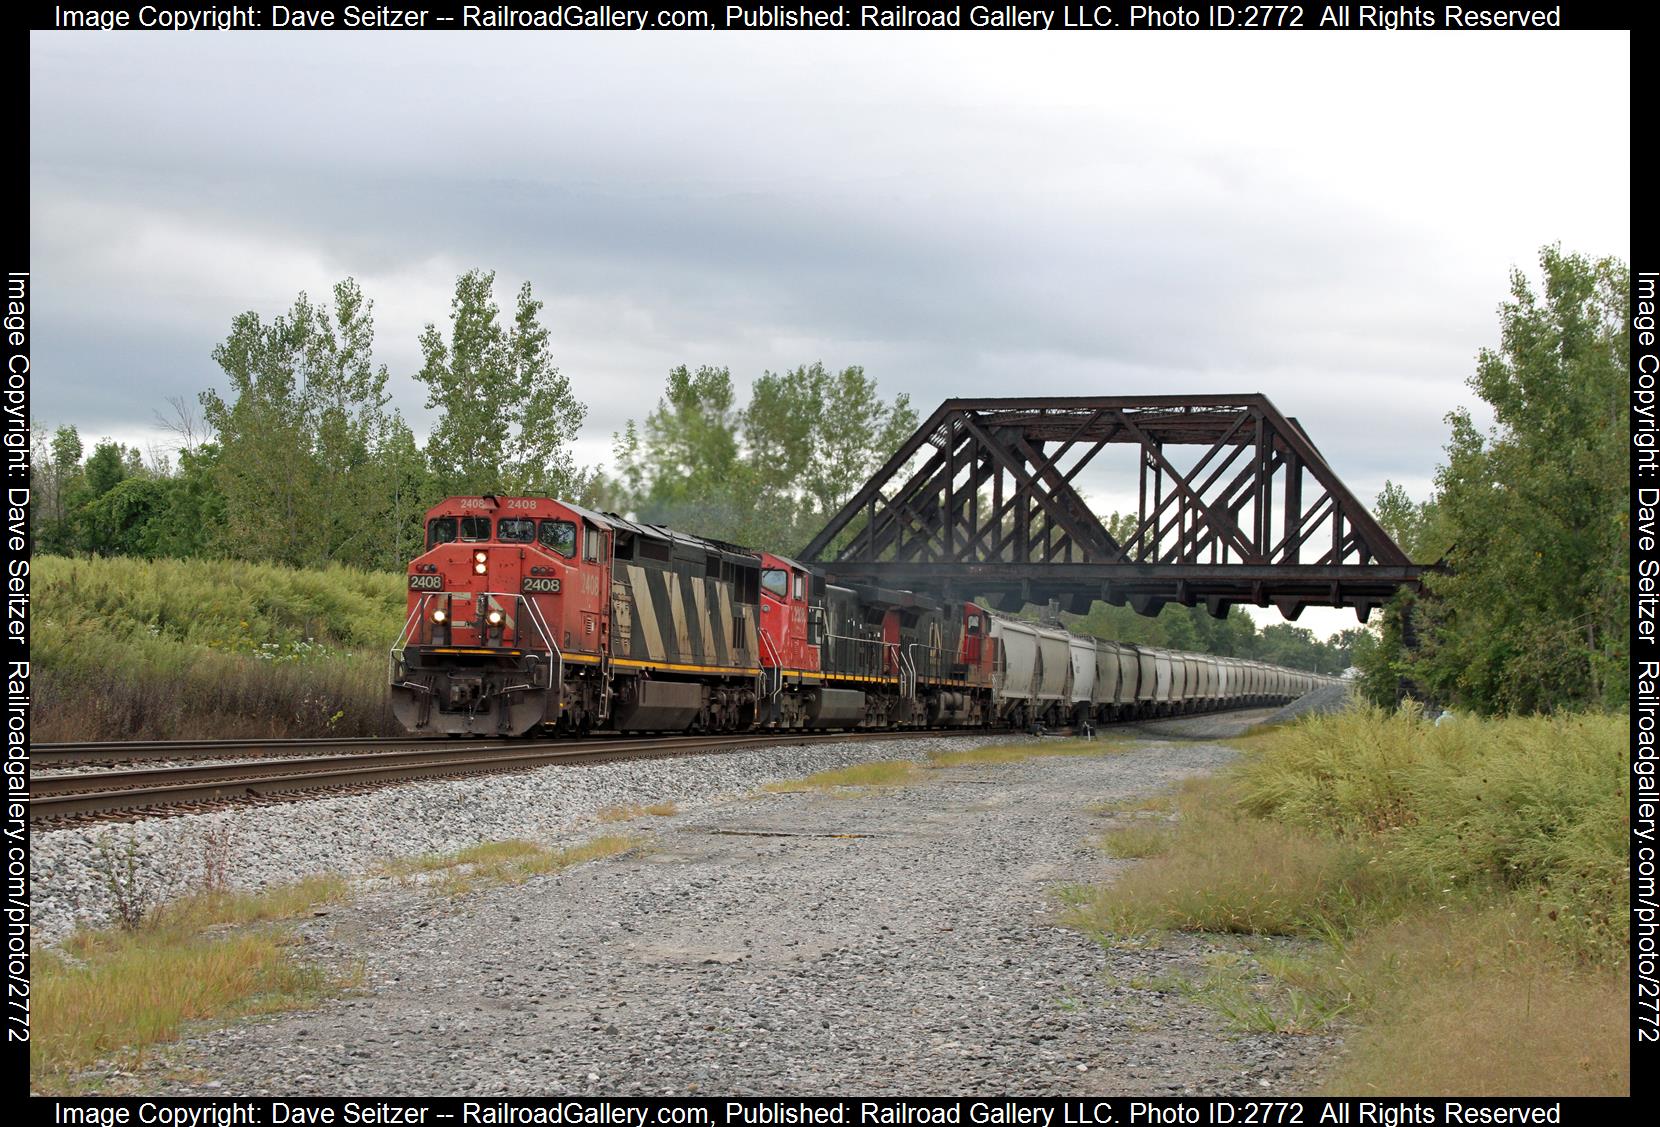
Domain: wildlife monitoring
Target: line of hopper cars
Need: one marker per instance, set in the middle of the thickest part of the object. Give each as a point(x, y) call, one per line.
point(528, 615)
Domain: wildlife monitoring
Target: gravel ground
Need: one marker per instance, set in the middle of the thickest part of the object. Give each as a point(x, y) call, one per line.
point(257, 846)
point(900, 940)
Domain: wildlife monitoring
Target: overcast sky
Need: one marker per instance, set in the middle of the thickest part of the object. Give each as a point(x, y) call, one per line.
point(1328, 219)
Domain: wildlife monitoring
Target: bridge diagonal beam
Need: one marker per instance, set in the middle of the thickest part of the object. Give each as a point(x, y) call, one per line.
point(1062, 508)
point(861, 501)
point(1162, 528)
point(1218, 520)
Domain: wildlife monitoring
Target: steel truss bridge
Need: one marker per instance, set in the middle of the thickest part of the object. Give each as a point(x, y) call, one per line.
point(1236, 506)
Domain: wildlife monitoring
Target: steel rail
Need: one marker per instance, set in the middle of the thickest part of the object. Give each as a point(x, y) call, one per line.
point(65, 754)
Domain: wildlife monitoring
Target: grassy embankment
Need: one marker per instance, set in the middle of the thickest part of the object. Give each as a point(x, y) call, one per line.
point(163, 649)
point(1457, 897)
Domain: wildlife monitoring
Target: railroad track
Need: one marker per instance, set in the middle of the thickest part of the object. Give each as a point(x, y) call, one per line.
point(157, 789)
point(127, 751)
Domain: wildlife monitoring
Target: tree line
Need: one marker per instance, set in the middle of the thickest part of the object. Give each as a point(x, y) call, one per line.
point(297, 458)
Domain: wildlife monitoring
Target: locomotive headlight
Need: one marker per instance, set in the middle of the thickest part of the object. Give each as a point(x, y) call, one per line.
point(479, 569)
point(439, 616)
point(493, 618)
point(480, 557)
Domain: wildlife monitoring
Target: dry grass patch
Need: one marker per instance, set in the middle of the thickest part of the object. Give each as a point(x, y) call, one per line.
point(1482, 1002)
point(1137, 841)
point(629, 813)
point(222, 907)
point(1151, 804)
point(113, 994)
point(1457, 892)
point(884, 773)
point(1219, 870)
point(1018, 753)
point(504, 862)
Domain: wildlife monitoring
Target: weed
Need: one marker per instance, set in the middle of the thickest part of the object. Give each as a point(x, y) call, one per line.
point(218, 847)
point(131, 893)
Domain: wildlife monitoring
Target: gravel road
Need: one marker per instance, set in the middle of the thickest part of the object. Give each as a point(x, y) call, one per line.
point(896, 940)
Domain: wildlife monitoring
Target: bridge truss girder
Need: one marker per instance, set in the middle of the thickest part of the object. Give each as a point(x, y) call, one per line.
point(981, 500)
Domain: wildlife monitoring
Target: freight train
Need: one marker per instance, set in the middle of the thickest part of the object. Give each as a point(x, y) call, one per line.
point(528, 615)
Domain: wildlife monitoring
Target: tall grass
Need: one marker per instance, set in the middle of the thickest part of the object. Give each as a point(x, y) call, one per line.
point(1537, 807)
point(1465, 884)
point(127, 648)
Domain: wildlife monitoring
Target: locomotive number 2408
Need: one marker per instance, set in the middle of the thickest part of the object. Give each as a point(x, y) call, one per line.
point(541, 586)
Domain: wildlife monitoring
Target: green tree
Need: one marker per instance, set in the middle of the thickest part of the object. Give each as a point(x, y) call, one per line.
point(408, 490)
point(685, 456)
point(106, 468)
point(1532, 612)
point(302, 432)
point(267, 470)
point(769, 473)
point(507, 414)
point(854, 433)
point(55, 488)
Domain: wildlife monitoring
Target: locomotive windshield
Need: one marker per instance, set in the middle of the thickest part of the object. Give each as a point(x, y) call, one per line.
point(560, 535)
point(520, 530)
point(775, 581)
point(442, 530)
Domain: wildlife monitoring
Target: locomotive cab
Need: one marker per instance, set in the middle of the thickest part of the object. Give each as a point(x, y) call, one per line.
point(505, 595)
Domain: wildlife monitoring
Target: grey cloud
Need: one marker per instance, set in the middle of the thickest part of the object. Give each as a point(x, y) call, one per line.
point(965, 216)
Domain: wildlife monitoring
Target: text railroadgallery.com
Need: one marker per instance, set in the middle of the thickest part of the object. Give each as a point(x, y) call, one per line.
point(823, 1112)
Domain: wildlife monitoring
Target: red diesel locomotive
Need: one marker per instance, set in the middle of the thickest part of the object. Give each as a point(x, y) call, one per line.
point(530, 615)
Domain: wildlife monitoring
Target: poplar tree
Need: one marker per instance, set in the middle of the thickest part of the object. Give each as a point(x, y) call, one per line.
point(507, 415)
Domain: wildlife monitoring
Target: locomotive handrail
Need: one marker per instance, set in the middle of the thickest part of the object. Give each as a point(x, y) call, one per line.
point(537, 621)
point(403, 634)
point(558, 662)
point(934, 655)
point(778, 665)
point(878, 642)
point(556, 668)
